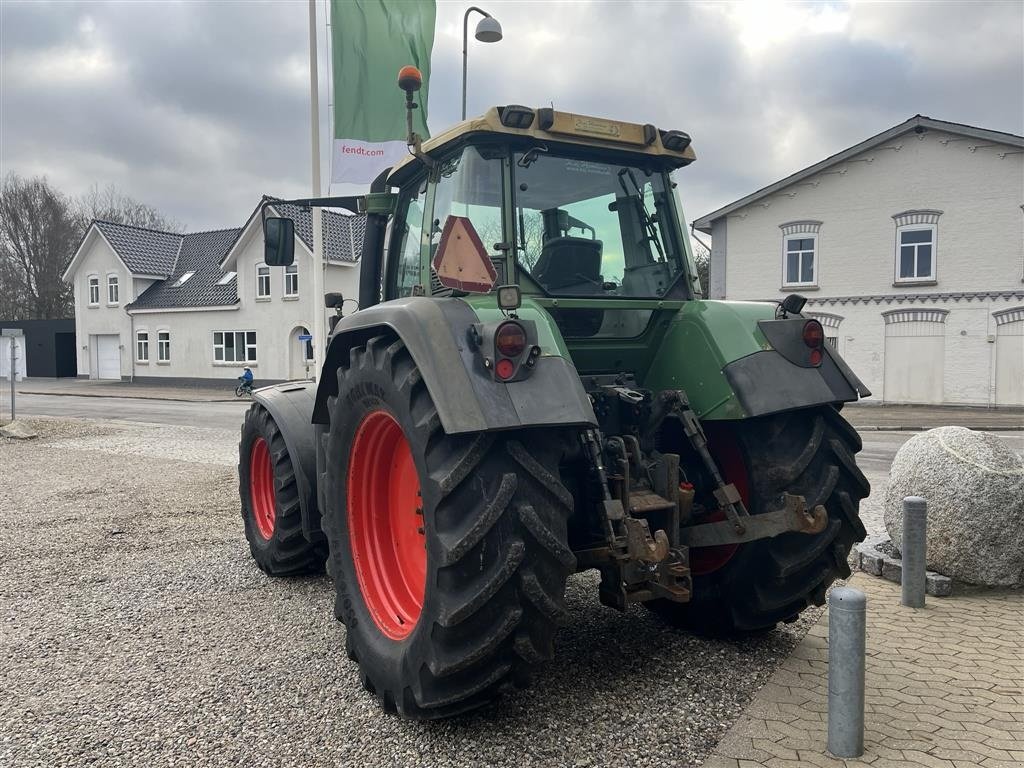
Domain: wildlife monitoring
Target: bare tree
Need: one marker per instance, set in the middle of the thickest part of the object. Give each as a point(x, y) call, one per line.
point(39, 229)
point(110, 204)
point(702, 258)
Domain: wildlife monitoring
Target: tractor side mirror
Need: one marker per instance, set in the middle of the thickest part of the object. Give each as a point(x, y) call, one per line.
point(278, 242)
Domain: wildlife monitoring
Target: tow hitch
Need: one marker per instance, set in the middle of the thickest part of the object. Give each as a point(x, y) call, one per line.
point(792, 517)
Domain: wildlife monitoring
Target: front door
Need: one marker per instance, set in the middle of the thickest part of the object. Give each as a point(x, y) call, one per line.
point(108, 357)
point(300, 355)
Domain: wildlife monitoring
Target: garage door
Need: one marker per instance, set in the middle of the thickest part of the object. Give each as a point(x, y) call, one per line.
point(1010, 357)
point(108, 357)
point(915, 342)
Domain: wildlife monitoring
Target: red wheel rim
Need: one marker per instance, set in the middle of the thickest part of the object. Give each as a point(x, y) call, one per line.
point(261, 488)
point(725, 449)
point(385, 524)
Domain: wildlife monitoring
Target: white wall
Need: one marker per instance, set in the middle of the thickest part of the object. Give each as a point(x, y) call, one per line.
point(274, 320)
point(980, 247)
point(99, 259)
point(980, 234)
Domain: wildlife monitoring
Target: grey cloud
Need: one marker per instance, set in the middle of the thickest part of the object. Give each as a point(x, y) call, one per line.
point(205, 106)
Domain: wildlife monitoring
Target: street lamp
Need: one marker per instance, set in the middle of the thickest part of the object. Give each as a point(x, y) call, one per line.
point(487, 31)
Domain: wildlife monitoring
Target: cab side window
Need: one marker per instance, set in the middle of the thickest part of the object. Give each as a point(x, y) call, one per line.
point(406, 270)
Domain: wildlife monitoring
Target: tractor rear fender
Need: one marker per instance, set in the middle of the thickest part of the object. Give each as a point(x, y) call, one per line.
point(468, 399)
point(736, 361)
point(291, 406)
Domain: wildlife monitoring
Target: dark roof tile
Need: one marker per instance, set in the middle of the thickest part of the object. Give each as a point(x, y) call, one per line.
point(201, 253)
point(143, 251)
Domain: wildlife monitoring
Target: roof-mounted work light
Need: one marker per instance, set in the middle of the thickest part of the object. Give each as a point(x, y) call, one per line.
point(516, 116)
point(675, 141)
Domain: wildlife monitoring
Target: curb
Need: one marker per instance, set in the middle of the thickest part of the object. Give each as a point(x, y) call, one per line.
point(877, 563)
point(132, 397)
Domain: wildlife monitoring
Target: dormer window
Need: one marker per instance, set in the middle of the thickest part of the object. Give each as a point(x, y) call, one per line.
point(183, 279)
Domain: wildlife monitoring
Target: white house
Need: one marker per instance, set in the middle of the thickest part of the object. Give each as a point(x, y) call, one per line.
point(161, 305)
point(910, 250)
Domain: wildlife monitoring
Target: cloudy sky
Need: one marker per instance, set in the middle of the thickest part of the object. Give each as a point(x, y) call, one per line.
point(198, 107)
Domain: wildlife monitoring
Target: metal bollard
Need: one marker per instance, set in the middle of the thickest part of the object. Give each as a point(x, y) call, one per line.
point(914, 550)
point(846, 643)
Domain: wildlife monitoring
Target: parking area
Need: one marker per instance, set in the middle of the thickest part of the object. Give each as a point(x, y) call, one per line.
point(137, 631)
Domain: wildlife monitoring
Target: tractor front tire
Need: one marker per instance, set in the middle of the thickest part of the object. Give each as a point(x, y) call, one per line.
point(270, 500)
point(750, 587)
point(449, 552)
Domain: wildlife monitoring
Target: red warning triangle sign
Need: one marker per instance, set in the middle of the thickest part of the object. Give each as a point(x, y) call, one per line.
point(461, 261)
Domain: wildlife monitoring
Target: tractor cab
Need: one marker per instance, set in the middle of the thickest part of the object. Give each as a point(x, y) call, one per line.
point(572, 209)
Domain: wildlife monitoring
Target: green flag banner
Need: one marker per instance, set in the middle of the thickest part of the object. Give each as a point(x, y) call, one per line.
point(370, 41)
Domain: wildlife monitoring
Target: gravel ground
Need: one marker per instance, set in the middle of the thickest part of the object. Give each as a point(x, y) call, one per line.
point(137, 631)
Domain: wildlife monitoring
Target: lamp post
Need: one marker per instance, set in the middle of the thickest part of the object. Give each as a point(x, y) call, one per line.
point(488, 30)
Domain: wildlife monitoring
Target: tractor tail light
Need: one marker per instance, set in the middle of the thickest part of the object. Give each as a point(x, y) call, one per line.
point(510, 340)
point(505, 369)
point(814, 337)
point(814, 334)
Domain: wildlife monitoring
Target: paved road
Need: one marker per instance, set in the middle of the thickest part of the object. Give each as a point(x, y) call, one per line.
point(877, 456)
point(225, 415)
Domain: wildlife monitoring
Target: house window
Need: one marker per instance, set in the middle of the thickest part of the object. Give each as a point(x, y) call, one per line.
point(142, 346)
point(291, 280)
point(798, 265)
point(915, 258)
point(234, 346)
point(94, 291)
point(111, 289)
point(916, 243)
point(163, 346)
point(183, 279)
point(262, 281)
point(228, 277)
point(833, 340)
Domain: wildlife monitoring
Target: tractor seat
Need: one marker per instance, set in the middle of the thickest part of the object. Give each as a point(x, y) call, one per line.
point(570, 261)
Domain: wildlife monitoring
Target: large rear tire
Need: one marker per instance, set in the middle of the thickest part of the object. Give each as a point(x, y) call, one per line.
point(438, 635)
point(751, 587)
point(270, 500)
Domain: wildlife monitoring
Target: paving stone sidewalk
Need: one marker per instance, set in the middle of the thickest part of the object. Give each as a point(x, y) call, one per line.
point(943, 689)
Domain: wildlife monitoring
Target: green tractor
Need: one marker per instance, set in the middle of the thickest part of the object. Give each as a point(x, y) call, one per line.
point(531, 388)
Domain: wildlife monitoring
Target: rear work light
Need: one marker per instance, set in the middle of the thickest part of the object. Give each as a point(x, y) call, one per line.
point(510, 340)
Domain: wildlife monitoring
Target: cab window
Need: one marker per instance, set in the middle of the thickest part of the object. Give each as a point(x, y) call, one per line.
point(469, 185)
point(405, 273)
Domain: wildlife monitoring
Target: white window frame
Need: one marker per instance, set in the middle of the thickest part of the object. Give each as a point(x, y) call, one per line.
point(262, 275)
point(183, 279)
point(142, 345)
point(292, 270)
point(113, 297)
point(813, 236)
point(900, 230)
point(163, 346)
point(249, 348)
point(93, 281)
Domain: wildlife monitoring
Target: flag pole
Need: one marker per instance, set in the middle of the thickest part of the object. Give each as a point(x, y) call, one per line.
point(319, 319)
